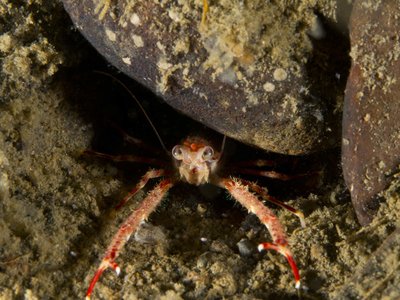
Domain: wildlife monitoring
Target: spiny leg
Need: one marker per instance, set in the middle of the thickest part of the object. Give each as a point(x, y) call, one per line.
point(247, 199)
point(264, 194)
point(151, 174)
point(132, 140)
point(125, 158)
point(269, 174)
point(256, 163)
point(130, 225)
point(272, 174)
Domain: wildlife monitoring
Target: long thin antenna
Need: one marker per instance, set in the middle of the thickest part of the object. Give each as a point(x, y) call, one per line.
point(140, 106)
point(222, 146)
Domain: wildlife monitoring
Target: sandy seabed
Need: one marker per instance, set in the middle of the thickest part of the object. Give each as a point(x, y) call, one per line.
point(56, 216)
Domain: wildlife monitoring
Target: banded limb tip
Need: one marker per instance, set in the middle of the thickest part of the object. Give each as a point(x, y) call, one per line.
point(128, 227)
point(288, 255)
point(256, 163)
point(132, 140)
point(151, 174)
point(125, 158)
point(264, 194)
point(268, 174)
point(251, 202)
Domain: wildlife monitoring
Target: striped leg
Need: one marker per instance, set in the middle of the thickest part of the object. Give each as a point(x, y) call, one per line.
point(132, 140)
point(264, 194)
point(269, 174)
point(256, 163)
point(151, 174)
point(130, 225)
point(125, 158)
point(247, 199)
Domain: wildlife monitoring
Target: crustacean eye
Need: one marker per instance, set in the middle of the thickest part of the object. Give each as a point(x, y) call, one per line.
point(177, 152)
point(208, 153)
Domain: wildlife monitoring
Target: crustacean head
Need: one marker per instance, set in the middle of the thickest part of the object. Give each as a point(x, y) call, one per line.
point(196, 160)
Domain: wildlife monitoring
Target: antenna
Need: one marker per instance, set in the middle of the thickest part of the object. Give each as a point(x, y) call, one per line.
point(222, 146)
point(138, 103)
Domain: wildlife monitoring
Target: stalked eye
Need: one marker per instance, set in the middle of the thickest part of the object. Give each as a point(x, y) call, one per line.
point(208, 153)
point(177, 152)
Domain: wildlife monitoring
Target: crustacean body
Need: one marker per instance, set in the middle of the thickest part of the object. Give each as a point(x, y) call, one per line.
point(196, 162)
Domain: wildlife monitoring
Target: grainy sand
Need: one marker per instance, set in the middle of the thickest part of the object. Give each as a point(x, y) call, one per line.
point(56, 216)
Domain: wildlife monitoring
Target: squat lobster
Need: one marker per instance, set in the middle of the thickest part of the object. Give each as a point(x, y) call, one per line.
point(196, 162)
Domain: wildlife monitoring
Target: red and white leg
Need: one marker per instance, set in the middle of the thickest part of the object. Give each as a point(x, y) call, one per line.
point(259, 163)
point(130, 225)
point(269, 174)
point(132, 140)
point(250, 201)
point(125, 158)
point(264, 194)
point(151, 174)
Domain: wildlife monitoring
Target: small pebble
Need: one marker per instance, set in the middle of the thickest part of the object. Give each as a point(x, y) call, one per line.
point(245, 247)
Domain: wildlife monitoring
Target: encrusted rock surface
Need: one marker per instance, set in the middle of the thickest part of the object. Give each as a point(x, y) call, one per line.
point(371, 127)
point(251, 72)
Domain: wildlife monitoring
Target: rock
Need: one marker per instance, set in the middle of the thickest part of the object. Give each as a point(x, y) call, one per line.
point(252, 73)
point(371, 127)
point(150, 234)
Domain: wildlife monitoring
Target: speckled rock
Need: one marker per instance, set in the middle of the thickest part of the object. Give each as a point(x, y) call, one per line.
point(251, 72)
point(371, 127)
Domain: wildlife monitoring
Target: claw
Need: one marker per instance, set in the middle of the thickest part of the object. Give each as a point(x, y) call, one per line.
point(103, 266)
point(282, 249)
point(239, 190)
point(116, 268)
point(130, 225)
point(96, 277)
